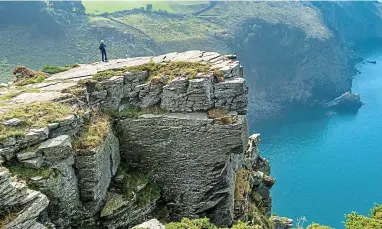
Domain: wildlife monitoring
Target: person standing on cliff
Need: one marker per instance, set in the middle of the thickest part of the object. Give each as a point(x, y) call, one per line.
point(102, 47)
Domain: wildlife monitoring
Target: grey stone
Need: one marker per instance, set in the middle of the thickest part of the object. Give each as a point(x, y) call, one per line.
point(34, 163)
point(37, 135)
point(26, 155)
point(95, 169)
point(151, 224)
point(346, 102)
point(12, 122)
point(281, 222)
point(7, 153)
point(174, 96)
point(231, 95)
point(200, 94)
point(56, 149)
point(15, 194)
point(53, 126)
point(195, 142)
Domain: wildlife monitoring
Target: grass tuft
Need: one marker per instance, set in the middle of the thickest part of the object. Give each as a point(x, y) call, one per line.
point(33, 80)
point(34, 115)
point(25, 174)
point(94, 132)
point(157, 71)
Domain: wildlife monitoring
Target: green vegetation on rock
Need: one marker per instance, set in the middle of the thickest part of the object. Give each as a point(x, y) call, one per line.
point(318, 226)
point(34, 115)
point(94, 132)
point(134, 112)
point(170, 70)
point(356, 221)
point(51, 69)
point(204, 223)
point(137, 185)
point(25, 174)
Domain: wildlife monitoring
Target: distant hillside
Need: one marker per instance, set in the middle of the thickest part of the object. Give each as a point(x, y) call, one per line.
point(293, 52)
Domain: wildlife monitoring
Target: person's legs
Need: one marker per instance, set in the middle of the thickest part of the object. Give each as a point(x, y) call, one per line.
point(103, 56)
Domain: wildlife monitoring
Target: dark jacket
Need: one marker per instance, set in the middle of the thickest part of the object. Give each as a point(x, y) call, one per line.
point(102, 47)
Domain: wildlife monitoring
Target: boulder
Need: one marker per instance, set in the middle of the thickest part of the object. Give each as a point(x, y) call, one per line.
point(347, 102)
point(151, 224)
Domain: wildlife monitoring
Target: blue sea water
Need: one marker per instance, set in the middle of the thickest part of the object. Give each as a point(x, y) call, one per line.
point(328, 165)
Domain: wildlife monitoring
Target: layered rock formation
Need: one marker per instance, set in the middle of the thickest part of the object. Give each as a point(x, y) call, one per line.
point(107, 145)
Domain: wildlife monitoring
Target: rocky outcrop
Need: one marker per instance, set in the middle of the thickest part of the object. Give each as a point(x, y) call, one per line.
point(347, 102)
point(20, 207)
point(170, 148)
point(125, 145)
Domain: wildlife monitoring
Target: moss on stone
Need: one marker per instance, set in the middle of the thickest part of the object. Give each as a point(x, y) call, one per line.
point(137, 186)
point(25, 174)
point(94, 132)
point(6, 217)
point(105, 75)
point(114, 203)
point(76, 90)
point(32, 80)
point(34, 115)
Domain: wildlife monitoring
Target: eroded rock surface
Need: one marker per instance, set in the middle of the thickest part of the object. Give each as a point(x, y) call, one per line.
point(174, 145)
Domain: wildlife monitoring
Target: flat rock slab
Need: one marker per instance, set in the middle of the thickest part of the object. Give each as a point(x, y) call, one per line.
point(27, 98)
point(82, 71)
point(58, 86)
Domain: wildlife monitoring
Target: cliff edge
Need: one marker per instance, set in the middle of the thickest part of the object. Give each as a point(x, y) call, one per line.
point(108, 145)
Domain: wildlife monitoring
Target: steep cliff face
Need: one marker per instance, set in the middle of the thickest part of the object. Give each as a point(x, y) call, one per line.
point(108, 145)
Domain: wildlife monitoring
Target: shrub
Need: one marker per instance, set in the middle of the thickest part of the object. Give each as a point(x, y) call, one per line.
point(51, 69)
point(204, 223)
point(356, 221)
point(317, 226)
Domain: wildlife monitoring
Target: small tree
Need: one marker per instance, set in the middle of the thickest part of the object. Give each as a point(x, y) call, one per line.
point(149, 7)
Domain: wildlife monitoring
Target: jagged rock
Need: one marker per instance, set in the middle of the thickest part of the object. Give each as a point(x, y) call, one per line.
point(195, 142)
point(95, 169)
point(37, 135)
point(28, 204)
point(12, 122)
point(56, 149)
point(62, 190)
point(7, 153)
point(70, 125)
point(346, 102)
point(231, 95)
point(26, 155)
point(34, 163)
point(282, 222)
point(151, 224)
point(174, 95)
point(200, 94)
